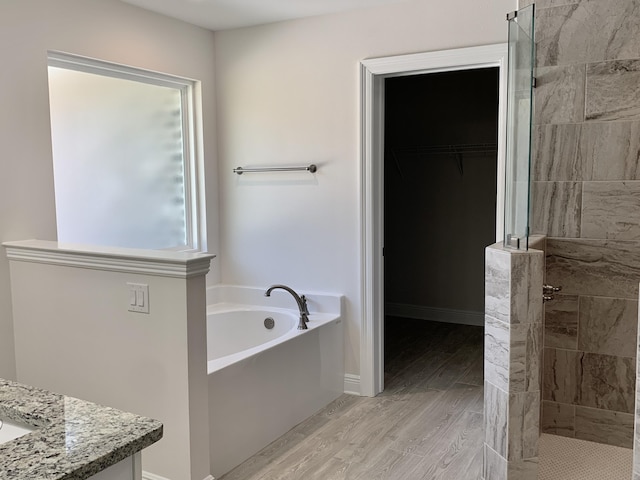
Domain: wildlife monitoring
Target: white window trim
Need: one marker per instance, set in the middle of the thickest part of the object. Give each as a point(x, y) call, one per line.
point(193, 150)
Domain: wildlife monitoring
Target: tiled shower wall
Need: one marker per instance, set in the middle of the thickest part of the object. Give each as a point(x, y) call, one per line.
point(586, 198)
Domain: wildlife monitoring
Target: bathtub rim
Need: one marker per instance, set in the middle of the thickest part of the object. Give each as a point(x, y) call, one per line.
point(316, 320)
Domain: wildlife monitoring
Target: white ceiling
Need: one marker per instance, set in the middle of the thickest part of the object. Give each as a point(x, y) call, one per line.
point(225, 14)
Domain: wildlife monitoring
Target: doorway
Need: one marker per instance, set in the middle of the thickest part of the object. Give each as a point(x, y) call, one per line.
point(440, 178)
point(375, 72)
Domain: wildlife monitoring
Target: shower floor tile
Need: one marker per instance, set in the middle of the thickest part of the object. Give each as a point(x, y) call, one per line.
point(564, 458)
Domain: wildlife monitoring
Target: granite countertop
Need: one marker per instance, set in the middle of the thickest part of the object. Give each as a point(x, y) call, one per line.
point(74, 439)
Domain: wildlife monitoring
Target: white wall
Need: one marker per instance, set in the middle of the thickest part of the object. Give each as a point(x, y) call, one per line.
point(75, 335)
point(288, 93)
point(104, 29)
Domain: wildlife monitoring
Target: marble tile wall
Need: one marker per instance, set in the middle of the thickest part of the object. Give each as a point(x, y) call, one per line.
point(636, 423)
point(513, 342)
point(586, 198)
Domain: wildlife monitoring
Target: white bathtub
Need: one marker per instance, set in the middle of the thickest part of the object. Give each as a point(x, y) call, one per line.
point(264, 382)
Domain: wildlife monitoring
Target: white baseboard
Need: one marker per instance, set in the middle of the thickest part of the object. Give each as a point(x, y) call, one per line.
point(352, 384)
point(447, 315)
point(151, 476)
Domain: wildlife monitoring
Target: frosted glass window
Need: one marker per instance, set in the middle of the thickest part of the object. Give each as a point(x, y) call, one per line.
point(120, 161)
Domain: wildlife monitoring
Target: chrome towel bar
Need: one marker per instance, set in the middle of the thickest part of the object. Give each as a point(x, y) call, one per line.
point(310, 168)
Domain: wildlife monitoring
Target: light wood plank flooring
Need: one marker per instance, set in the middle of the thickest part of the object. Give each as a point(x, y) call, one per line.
point(426, 425)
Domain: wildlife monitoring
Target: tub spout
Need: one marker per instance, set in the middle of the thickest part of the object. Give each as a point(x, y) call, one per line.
point(300, 301)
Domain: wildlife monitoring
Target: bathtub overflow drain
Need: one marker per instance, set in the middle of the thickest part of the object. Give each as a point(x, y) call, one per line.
point(269, 323)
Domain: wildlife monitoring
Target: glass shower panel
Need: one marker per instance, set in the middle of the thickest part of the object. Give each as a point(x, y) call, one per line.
point(519, 114)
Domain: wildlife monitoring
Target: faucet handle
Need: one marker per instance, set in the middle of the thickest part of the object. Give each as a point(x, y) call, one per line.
point(305, 308)
point(550, 289)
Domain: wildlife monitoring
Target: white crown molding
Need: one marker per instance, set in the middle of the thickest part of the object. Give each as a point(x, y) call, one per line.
point(160, 263)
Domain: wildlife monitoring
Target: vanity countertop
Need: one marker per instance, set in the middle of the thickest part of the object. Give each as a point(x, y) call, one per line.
point(74, 439)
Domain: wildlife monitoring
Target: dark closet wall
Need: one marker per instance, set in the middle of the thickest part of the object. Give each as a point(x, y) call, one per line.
point(439, 209)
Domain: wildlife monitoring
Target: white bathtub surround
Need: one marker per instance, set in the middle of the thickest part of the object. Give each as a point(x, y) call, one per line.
point(318, 302)
point(241, 331)
point(74, 334)
point(258, 394)
point(513, 336)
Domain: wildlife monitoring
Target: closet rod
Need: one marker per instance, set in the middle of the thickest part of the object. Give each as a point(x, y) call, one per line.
point(309, 168)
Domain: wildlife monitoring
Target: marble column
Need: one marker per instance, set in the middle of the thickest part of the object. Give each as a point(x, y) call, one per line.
point(636, 433)
point(512, 361)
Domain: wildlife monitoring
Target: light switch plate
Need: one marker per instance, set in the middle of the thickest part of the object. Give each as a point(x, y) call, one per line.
point(138, 297)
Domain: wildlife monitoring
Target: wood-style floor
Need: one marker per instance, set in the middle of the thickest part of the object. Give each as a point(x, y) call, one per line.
point(426, 425)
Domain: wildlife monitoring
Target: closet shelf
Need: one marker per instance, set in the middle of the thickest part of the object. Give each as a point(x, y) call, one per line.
point(453, 149)
point(457, 150)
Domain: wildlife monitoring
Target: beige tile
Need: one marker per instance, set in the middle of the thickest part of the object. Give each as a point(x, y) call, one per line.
point(527, 271)
point(572, 459)
point(495, 466)
point(512, 422)
point(562, 34)
point(513, 280)
point(497, 284)
point(610, 150)
point(518, 340)
point(531, 424)
point(561, 322)
point(516, 426)
point(560, 94)
point(587, 31)
point(586, 379)
point(556, 208)
point(538, 242)
point(558, 419)
point(540, 4)
point(607, 382)
point(555, 153)
point(603, 426)
point(526, 469)
point(608, 326)
point(561, 376)
point(496, 356)
point(594, 267)
point(496, 408)
point(533, 356)
point(611, 210)
point(612, 90)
